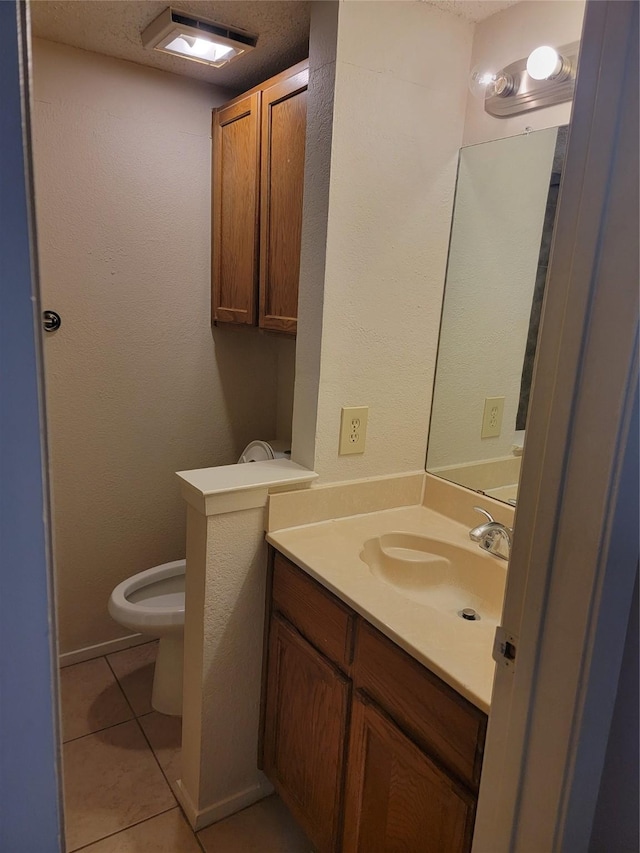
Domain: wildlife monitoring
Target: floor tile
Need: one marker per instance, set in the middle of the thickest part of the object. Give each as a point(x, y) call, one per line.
point(111, 781)
point(165, 736)
point(134, 670)
point(266, 827)
point(90, 699)
point(166, 833)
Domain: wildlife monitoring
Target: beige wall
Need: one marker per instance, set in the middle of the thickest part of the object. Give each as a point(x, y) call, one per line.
point(390, 193)
point(138, 387)
point(510, 35)
point(495, 242)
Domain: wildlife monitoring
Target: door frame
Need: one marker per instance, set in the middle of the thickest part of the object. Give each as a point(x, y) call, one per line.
point(30, 786)
point(575, 553)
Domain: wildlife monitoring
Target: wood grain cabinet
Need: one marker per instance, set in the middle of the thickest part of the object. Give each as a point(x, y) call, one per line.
point(258, 177)
point(306, 725)
point(397, 798)
point(369, 749)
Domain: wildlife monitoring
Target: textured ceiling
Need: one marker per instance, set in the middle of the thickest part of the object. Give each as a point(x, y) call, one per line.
point(472, 10)
point(113, 27)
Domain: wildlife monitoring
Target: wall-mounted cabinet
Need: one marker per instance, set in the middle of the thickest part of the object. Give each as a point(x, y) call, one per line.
point(258, 178)
point(370, 750)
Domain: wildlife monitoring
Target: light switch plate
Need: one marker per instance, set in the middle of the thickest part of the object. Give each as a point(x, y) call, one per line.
point(353, 429)
point(492, 417)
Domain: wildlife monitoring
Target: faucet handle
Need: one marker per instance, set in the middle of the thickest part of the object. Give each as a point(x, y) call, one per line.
point(484, 512)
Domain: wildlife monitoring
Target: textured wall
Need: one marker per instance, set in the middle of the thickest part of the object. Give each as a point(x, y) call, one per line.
point(315, 218)
point(495, 243)
point(511, 35)
point(390, 196)
point(223, 660)
point(138, 386)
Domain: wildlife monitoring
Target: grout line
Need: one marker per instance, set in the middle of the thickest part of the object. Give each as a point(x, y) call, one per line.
point(167, 780)
point(126, 698)
point(148, 742)
point(135, 718)
point(115, 674)
point(97, 731)
point(124, 829)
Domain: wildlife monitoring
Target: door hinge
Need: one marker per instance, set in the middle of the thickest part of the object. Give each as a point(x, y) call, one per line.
point(504, 648)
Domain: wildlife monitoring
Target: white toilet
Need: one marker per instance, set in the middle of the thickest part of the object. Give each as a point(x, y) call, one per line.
point(152, 603)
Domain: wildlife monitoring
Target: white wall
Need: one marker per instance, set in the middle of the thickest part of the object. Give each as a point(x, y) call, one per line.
point(138, 386)
point(398, 110)
point(511, 35)
point(495, 242)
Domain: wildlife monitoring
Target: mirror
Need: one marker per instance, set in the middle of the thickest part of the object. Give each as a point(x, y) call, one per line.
point(503, 219)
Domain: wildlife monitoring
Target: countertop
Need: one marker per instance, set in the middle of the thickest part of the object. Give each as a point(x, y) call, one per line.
point(456, 650)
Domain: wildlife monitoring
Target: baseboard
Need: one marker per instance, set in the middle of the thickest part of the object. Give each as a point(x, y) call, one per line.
point(97, 651)
point(199, 818)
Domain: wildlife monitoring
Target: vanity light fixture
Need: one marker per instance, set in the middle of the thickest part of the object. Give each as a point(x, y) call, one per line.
point(546, 77)
point(197, 39)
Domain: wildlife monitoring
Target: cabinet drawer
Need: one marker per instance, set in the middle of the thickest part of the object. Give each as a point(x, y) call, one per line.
point(319, 616)
point(435, 716)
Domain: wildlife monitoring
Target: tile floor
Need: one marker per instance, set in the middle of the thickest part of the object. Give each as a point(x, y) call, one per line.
point(121, 760)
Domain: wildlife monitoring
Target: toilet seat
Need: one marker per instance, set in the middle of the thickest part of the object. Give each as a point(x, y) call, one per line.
point(151, 601)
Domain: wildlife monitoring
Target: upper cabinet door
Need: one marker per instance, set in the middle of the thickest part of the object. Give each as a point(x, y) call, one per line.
point(236, 166)
point(284, 121)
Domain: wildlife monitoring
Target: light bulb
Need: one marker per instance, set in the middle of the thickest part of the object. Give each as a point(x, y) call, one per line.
point(543, 63)
point(481, 81)
point(487, 84)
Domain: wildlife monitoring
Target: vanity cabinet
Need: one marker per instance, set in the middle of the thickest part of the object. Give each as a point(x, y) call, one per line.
point(306, 695)
point(369, 749)
point(258, 177)
point(397, 798)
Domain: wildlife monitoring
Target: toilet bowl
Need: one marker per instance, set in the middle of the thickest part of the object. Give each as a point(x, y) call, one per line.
point(152, 603)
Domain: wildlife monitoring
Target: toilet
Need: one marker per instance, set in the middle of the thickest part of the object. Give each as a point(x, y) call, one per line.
point(152, 603)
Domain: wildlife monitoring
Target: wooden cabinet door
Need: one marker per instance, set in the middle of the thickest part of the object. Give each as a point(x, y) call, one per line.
point(284, 122)
point(305, 733)
point(234, 213)
point(397, 800)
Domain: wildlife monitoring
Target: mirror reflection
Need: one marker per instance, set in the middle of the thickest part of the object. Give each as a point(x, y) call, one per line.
point(503, 220)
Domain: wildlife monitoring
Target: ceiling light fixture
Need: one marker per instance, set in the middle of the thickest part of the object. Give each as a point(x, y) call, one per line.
point(197, 39)
point(545, 78)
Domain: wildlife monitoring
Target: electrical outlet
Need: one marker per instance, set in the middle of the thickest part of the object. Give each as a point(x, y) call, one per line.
point(492, 417)
point(353, 429)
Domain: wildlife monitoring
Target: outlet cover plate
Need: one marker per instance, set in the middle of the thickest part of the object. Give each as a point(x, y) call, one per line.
point(492, 417)
point(353, 429)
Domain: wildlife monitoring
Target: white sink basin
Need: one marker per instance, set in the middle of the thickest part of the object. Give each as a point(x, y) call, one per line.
point(443, 575)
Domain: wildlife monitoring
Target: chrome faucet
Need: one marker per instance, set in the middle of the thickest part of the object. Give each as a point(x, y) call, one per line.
point(490, 534)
